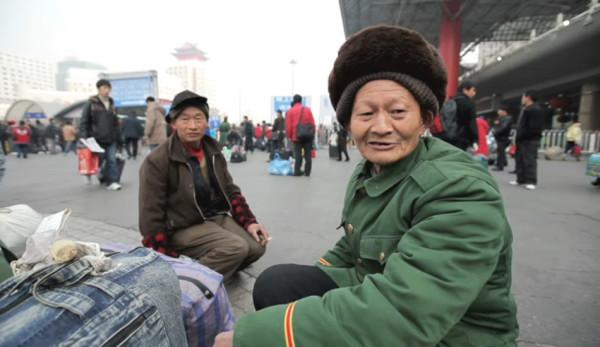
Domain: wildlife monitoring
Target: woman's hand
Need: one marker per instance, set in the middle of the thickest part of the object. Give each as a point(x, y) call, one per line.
point(224, 339)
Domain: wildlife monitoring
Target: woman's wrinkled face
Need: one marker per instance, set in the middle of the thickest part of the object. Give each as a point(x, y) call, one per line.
point(386, 122)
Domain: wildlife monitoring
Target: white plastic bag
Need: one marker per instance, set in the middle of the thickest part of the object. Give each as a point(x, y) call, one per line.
point(17, 223)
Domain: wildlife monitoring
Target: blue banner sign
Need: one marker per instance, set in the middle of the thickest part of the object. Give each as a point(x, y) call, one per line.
point(131, 91)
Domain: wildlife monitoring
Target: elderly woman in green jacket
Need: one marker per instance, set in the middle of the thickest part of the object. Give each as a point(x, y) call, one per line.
point(426, 255)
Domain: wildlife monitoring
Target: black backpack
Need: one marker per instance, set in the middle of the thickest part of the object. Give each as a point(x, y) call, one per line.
point(449, 120)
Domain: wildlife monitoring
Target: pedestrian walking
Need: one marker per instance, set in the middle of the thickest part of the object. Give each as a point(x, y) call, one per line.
point(5, 134)
point(51, 136)
point(70, 137)
point(529, 132)
point(99, 120)
point(278, 131)
point(22, 139)
point(132, 131)
point(155, 130)
point(38, 132)
point(501, 128)
point(224, 130)
point(248, 134)
point(574, 138)
point(300, 129)
point(342, 142)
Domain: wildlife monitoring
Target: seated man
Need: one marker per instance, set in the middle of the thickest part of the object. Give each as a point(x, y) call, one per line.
point(188, 202)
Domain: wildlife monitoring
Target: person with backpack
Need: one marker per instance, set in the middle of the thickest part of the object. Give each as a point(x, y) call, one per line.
point(300, 129)
point(457, 121)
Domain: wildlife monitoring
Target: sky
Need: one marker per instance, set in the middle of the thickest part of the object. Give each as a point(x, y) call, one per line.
point(249, 43)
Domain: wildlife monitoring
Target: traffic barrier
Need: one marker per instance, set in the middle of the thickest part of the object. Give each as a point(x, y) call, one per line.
point(556, 138)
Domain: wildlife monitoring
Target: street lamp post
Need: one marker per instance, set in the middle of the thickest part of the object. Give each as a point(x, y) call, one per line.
point(293, 63)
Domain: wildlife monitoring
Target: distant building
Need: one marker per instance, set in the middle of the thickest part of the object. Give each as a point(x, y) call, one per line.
point(18, 73)
point(77, 76)
point(193, 68)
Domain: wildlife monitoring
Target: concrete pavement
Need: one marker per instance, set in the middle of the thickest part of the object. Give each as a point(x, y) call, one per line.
point(556, 229)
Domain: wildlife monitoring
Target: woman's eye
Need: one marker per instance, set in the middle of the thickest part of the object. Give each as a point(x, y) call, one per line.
point(398, 111)
point(366, 113)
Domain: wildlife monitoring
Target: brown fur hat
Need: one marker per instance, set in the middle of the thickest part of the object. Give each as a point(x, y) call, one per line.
point(392, 53)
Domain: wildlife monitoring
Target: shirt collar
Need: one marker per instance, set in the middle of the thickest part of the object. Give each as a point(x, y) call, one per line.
point(389, 175)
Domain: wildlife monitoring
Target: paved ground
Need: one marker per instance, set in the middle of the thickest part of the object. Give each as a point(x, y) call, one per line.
point(556, 230)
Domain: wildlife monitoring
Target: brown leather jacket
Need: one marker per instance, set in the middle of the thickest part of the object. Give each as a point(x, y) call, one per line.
point(167, 198)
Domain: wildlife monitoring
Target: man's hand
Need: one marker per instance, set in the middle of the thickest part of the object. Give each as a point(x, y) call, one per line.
point(259, 233)
point(224, 339)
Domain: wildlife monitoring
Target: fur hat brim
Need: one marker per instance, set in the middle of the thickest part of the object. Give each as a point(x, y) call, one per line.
point(387, 49)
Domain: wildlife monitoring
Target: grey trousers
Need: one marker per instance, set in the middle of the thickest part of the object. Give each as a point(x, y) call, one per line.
point(219, 243)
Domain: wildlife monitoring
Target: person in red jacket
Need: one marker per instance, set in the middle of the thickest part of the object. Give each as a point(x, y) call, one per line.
point(22, 138)
point(483, 128)
point(298, 117)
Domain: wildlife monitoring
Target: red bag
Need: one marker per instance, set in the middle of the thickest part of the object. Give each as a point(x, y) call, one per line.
point(577, 150)
point(88, 162)
point(313, 153)
point(512, 150)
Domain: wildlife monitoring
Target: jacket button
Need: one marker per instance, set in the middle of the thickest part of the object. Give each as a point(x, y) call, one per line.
point(350, 229)
point(381, 256)
point(358, 260)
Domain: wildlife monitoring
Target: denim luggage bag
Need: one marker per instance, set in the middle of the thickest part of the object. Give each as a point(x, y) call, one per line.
point(135, 303)
point(205, 306)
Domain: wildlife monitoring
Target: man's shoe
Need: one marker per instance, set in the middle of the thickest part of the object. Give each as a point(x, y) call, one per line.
point(114, 186)
point(529, 186)
point(514, 183)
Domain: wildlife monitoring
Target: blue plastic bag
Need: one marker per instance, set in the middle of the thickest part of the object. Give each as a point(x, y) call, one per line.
point(280, 167)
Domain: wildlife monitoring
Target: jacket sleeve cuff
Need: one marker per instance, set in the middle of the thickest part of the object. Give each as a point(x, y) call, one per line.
point(158, 242)
point(270, 322)
point(240, 211)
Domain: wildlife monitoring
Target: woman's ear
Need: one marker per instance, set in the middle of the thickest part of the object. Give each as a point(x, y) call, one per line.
point(427, 119)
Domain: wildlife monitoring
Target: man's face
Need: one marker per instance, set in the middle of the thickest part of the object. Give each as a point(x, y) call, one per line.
point(386, 122)
point(104, 91)
point(502, 113)
point(470, 92)
point(191, 125)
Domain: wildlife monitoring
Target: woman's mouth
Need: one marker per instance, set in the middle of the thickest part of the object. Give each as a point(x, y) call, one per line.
point(381, 145)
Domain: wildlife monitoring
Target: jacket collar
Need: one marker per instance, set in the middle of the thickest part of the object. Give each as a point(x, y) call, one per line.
point(178, 153)
point(389, 175)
